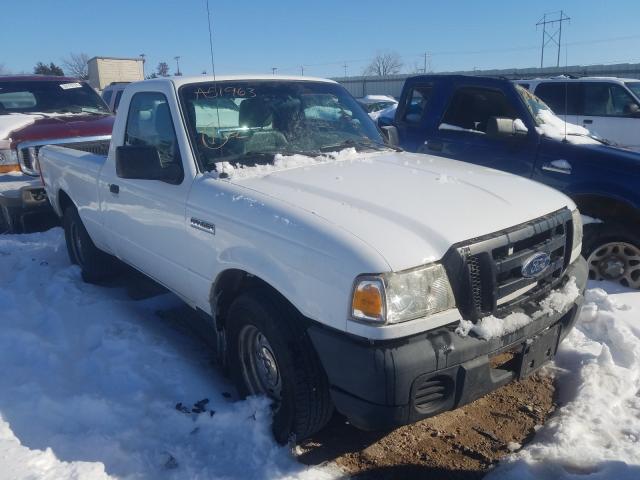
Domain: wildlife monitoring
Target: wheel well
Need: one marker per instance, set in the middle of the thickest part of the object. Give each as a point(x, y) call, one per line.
point(603, 208)
point(64, 201)
point(228, 286)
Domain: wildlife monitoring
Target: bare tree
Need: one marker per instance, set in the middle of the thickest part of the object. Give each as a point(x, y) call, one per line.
point(163, 69)
point(76, 65)
point(384, 63)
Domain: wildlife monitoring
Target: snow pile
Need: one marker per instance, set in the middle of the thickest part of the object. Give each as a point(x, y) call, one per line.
point(15, 121)
point(554, 127)
point(558, 301)
point(596, 433)
point(95, 385)
point(288, 162)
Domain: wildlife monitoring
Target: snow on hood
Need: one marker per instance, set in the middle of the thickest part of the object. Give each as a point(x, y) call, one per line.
point(411, 208)
point(389, 112)
point(285, 162)
point(15, 121)
point(554, 127)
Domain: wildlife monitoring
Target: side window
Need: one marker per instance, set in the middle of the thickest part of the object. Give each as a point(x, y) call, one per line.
point(106, 96)
point(149, 123)
point(607, 99)
point(417, 102)
point(564, 98)
point(116, 102)
point(472, 107)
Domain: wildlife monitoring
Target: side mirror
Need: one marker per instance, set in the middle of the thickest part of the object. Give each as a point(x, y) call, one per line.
point(506, 127)
point(142, 162)
point(391, 135)
point(632, 110)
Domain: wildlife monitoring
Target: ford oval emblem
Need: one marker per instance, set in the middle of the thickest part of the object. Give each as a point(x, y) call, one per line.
point(536, 264)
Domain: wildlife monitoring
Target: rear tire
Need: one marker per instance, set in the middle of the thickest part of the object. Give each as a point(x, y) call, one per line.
point(95, 264)
point(270, 354)
point(612, 251)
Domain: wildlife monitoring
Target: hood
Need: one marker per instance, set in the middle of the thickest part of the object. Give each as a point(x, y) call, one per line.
point(411, 208)
point(63, 126)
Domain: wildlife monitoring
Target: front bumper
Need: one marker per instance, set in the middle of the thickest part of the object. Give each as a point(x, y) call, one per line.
point(382, 385)
point(23, 201)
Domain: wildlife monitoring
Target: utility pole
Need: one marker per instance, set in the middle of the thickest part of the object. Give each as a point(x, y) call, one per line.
point(427, 61)
point(553, 33)
point(177, 65)
point(143, 56)
point(274, 70)
point(302, 70)
point(345, 69)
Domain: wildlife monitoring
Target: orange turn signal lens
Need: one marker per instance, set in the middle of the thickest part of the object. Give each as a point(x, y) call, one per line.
point(9, 168)
point(368, 301)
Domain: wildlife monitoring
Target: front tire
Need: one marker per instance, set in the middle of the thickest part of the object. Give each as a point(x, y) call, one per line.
point(613, 253)
point(95, 264)
point(270, 354)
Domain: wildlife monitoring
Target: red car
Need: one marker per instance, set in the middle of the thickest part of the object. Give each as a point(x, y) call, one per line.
point(40, 110)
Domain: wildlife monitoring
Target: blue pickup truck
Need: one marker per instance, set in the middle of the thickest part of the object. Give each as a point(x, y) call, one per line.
point(495, 123)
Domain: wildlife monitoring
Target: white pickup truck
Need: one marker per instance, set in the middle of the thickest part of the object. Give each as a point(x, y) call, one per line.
point(332, 267)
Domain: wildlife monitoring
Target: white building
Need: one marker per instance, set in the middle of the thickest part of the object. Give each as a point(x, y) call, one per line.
point(104, 70)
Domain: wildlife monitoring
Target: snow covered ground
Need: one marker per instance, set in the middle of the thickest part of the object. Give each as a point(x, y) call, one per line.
point(90, 380)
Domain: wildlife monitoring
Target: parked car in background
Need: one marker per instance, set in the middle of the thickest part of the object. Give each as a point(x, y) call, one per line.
point(376, 104)
point(496, 123)
point(331, 269)
point(112, 94)
point(40, 110)
point(608, 107)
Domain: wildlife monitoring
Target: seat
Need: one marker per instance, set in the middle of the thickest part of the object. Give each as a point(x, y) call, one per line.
point(254, 113)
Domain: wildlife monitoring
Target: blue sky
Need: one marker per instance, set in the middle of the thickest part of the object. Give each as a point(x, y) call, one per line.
point(253, 36)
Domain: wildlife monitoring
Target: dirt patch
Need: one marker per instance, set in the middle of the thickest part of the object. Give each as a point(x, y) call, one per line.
point(462, 444)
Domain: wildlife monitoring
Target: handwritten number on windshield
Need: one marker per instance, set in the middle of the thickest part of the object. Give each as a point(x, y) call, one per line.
point(215, 92)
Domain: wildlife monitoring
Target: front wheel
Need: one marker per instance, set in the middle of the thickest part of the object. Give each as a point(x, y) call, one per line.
point(270, 354)
point(613, 253)
point(96, 265)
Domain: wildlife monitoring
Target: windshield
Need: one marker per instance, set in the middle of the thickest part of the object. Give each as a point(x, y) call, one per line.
point(634, 87)
point(249, 122)
point(533, 103)
point(41, 96)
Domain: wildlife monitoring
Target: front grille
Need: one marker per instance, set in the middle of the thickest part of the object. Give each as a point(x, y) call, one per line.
point(487, 271)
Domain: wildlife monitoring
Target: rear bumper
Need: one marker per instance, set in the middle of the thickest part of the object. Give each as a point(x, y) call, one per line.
point(382, 385)
point(22, 199)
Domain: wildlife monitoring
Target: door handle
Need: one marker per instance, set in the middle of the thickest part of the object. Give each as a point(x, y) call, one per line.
point(557, 166)
point(587, 122)
point(113, 188)
point(434, 145)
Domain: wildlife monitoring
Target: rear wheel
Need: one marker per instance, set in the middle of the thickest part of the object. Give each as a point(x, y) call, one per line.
point(96, 265)
point(613, 253)
point(270, 354)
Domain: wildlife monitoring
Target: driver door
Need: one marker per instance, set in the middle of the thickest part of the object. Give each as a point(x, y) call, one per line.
point(147, 217)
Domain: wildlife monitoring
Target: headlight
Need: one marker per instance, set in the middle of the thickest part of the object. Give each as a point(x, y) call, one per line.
point(402, 296)
point(576, 244)
point(8, 160)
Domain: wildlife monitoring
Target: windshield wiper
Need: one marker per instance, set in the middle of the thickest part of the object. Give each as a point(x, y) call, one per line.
point(597, 139)
point(363, 143)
